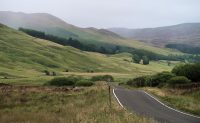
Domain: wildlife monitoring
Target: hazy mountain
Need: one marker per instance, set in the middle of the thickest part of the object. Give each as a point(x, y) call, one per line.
point(48, 23)
point(187, 33)
point(55, 26)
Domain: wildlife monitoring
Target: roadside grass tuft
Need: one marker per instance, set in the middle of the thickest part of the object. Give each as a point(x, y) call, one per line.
point(183, 100)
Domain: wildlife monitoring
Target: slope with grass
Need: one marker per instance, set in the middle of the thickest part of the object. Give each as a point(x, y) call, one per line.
point(55, 26)
point(24, 56)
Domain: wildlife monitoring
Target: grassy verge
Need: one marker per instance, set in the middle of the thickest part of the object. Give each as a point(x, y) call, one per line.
point(71, 106)
point(184, 100)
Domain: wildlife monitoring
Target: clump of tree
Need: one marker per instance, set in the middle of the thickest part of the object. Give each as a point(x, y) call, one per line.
point(181, 74)
point(137, 82)
point(69, 81)
point(84, 82)
point(178, 80)
point(157, 80)
point(47, 72)
point(63, 81)
point(54, 73)
point(185, 48)
point(136, 59)
point(191, 71)
point(107, 78)
point(145, 60)
point(90, 71)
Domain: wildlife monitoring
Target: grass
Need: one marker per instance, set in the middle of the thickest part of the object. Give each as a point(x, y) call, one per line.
point(22, 56)
point(84, 106)
point(184, 100)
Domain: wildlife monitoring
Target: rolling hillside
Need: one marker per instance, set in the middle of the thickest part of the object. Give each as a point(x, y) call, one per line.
point(22, 55)
point(187, 33)
point(53, 25)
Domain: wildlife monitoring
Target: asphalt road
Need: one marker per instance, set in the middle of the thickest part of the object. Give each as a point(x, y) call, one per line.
point(143, 104)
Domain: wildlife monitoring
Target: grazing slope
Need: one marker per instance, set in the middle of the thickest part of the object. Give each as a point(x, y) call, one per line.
point(55, 26)
point(188, 33)
point(23, 55)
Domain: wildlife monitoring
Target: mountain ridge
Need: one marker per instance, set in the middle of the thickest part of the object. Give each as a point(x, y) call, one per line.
point(55, 26)
point(186, 33)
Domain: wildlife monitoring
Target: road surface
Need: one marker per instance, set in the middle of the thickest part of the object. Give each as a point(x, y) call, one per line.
point(144, 104)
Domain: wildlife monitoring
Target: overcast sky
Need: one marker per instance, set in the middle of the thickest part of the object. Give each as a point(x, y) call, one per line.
point(112, 13)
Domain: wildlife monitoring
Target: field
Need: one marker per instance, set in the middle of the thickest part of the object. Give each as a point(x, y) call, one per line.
point(49, 105)
point(185, 100)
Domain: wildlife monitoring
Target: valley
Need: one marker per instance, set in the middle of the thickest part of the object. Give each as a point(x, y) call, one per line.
point(52, 71)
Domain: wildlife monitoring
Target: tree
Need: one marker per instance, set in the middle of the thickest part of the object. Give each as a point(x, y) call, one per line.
point(102, 50)
point(47, 72)
point(191, 71)
point(145, 60)
point(168, 63)
point(136, 59)
point(54, 73)
point(116, 49)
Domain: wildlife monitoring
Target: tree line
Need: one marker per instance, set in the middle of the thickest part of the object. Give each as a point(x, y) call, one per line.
point(138, 54)
point(66, 42)
point(185, 48)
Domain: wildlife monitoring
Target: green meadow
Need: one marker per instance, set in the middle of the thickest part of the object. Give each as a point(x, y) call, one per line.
point(23, 58)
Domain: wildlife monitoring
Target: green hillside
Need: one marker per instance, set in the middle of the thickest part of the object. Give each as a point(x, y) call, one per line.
point(23, 56)
point(53, 25)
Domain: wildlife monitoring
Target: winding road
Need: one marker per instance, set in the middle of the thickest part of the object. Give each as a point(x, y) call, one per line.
point(144, 104)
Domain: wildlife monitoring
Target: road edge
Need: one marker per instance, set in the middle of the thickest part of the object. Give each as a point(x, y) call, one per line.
point(117, 99)
point(170, 107)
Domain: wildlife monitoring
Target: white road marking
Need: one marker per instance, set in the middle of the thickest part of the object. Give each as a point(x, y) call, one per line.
point(117, 99)
point(170, 107)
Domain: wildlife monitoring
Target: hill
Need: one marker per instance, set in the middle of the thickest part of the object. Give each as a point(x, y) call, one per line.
point(22, 55)
point(187, 33)
point(55, 26)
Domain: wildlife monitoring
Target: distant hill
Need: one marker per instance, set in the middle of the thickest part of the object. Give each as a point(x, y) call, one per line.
point(187, 33)
point(50, 24)
point(55, 26)
point(21, 54)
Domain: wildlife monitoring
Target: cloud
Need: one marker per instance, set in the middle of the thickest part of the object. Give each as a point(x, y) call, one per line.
point(112, 13)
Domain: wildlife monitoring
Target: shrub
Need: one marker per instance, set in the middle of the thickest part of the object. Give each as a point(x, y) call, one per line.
point(90, 71)
point(178, 80)
point(47, 72)
point(63, 81)
point(107, 78)
point(145, 60)
point(160, 79)
point(54, 73)
point(191, 71)
point(137, 82)
point(84, 82)
point(136, 59)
